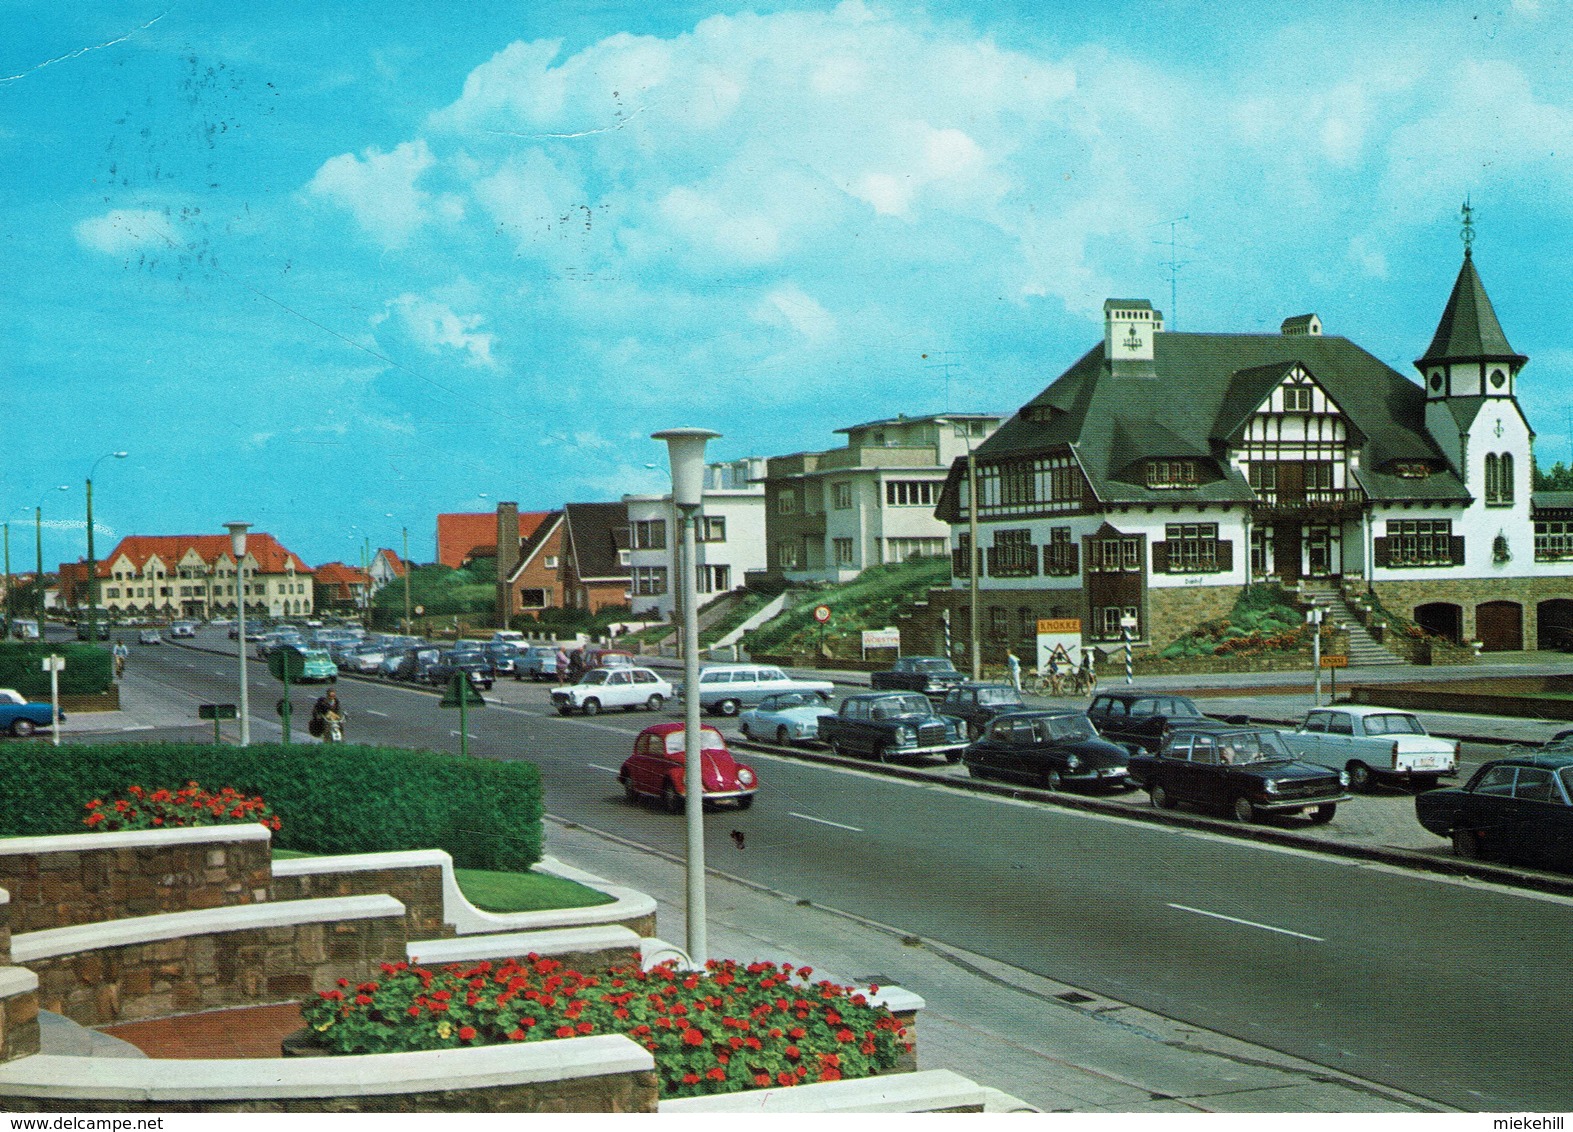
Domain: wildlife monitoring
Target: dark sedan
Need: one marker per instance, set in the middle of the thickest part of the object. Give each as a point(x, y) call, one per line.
point(979, 703)
point(1143, 718)
point(1247, 772)
point(1048, 749)
point(1518, 808)
point(473, 665)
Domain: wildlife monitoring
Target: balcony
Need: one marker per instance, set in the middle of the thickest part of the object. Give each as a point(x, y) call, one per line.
point(1326, 501)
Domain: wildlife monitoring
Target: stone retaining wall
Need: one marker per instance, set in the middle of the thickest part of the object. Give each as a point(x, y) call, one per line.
point(86, 878)
point(418, 887)
point(19, 1032)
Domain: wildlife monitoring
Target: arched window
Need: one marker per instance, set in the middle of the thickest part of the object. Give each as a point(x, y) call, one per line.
point(1493, 477)
point(1505, 478)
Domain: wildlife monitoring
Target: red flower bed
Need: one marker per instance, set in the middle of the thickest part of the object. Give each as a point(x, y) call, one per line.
point(735, 1027)
point(166, 809)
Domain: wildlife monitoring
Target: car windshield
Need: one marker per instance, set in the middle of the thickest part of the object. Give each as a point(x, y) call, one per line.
point(998, 696)
point(709, 740)
point(1393, 723)
point(1070, 728)
point(787, 700)
point(933, 666)
point(1240, 747)
point(903, 705)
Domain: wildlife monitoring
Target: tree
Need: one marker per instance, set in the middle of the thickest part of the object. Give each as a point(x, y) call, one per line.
point(1559, 478)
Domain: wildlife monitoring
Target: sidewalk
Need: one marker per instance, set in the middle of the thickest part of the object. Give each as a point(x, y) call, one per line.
point(1049, 1044)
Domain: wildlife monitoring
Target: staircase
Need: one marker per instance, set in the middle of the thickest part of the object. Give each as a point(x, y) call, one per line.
point(1364, 652)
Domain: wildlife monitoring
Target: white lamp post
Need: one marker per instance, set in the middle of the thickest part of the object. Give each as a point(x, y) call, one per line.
point(686, 448)
point(1313, 617)
point(237, 543)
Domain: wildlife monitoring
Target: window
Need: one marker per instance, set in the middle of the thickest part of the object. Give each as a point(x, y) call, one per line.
point(1553, 540)
point(1297, 398)
point(1318, 476)
point(1106, 622)
point(786, 503)
point(786, 555)
point(1499, 478)
point(1016, 483)
point(622, 557)
point(1171, 473)
point(715, 579)
point(909, 493)
point(999, 622)
point(843, 551)
point(901, 549)
point(712, 528)
point(1118, 554)
point(1419, 542)
point(650, 534)
point(551, 562)
point(649, 581)
point(1059, 556)
point(1193, 547)
point(841, 495)
point(1013, 555)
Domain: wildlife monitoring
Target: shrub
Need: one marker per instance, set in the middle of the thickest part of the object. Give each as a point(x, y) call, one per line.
point(732, 1029)
point(333, 797)
point(165, 809)
point(89, 668)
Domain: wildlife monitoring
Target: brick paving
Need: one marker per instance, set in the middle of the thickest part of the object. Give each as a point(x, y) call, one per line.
point(245, 1032)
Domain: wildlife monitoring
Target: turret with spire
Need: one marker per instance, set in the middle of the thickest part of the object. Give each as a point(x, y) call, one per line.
point(1469, 356)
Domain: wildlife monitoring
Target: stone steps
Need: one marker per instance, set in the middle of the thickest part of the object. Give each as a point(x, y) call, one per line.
point(1364, 650)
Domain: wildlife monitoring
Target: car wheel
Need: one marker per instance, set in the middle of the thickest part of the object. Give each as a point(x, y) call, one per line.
point(745, 802)
point(654, 702)
point(1244, 810)
point(1049, 779)
point(592, 706)
point(628, 790)
point(22, 728)
point(1324, 814)
point(726, 707)
point(670, 799)
point(782, 738)
point(1161, 798)
point(1359, 776)
point(1466, 845)
point(877, 753)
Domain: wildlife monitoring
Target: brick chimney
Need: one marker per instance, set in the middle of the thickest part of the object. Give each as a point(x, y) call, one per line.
point(508, 550)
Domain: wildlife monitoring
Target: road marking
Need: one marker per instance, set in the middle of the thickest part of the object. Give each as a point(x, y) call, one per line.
point(1248, 923)
point(822, 821)
point(468, 735)
point(140, 727)
point(598, 766)
point(370, 711)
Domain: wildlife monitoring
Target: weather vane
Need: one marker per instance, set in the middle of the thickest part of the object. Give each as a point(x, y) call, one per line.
point(1467, 231)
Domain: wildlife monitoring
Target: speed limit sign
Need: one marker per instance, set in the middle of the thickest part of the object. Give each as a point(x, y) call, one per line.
point(822, 613)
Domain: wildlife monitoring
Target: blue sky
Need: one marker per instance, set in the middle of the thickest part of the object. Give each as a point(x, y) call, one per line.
point(334, 267)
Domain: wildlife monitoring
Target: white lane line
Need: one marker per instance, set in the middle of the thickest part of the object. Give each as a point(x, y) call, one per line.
point(467, 734)
point(1248, 923)
point(822, 821)
point(371, 711)
point(598, 766)
point(139, 727)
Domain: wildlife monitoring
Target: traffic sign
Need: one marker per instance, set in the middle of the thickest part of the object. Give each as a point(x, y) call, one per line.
point(1335, 662)
point(460, 686)
point(286, 663)
point(821, 613)
point(217, 711)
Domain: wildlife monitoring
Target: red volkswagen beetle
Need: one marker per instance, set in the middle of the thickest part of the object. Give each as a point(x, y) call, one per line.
point(655, 769)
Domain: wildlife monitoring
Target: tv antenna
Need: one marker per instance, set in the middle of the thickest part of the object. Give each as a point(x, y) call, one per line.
point(1174, 264)
point(945, 363)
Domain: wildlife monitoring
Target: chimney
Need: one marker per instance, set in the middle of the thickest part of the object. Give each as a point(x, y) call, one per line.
point(507, 558)
point(1129, 329)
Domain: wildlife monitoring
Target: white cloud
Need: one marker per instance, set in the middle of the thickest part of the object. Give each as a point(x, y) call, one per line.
point(123, 230)
point(434, 326)
point(379, 190)
point(788, 306)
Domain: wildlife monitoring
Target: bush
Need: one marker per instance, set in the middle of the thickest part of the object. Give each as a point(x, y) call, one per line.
point(870, 601)
point(732, 1029)
point(332, 797)
point(89, 668)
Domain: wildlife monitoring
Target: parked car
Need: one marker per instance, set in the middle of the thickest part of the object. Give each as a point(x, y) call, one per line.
point(150, 637)
point(979, 703)
point(931, 675)
point(20, 716)
point(25, 629)
point(415, 665)
point(883, 725)
point(601, 688)
point(786, 717)
point(538, 662)
point(1143, 718)
point(475, 666)
point(183, 629)
point(656, 768)
point(1374, 743)
point(1048, 749)
point(728, 688)
point(99, 628)
point(591, 657)
point(317, 667)
point(364, 659)
point(1244, 771)
point(1518, 808)
point(504, 659)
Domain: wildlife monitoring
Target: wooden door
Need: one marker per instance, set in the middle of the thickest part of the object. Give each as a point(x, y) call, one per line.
point(1286, 550)
point(1500, 626)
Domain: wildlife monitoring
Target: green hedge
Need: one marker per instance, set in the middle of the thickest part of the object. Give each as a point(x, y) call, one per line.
point(333, 798)
point(89, 668)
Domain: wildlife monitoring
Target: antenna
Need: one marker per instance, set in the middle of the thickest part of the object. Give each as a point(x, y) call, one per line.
point(1466, 229)
point(945, 365)
point(1174, 264)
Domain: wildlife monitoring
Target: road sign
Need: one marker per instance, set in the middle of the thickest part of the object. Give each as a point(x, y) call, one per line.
point(821, 613)
point(1335, 662)
point(460, 686)
point(881, 638)
point(54, 664)
point(286, 663)
point(1059, 625)
point(217, 711)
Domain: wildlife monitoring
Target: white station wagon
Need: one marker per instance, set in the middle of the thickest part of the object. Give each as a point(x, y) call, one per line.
point(728, 688)
point(1373, 742)
point(600, 688)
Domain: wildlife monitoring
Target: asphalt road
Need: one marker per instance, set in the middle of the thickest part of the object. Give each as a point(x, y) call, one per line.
point(1443, 988)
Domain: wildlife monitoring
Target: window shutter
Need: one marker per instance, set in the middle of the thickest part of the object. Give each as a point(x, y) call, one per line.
point(1456, 545)
point(1225, 555)
point(1160, 558)
point(1379, 551)
point(1075, 566)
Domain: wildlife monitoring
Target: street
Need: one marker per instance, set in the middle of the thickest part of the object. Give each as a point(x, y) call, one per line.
point(1431, 985)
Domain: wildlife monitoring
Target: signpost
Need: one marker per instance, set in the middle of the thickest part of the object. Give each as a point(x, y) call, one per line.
point(1059, 642)
point(822, 615)
point(216, 712)
point(887, 638)
point(461, 694)
point(286, 663)
point(1127, 623)
point(1333, 664)
point(54, 664)
point(1313, 617)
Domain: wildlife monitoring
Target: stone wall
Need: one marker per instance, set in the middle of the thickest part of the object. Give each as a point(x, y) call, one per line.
point(91, 877)
point(1403, 597)
point(19, 1032)
point(417, 887)
point(1173, 611)
point(130, 981)
point(5, 928)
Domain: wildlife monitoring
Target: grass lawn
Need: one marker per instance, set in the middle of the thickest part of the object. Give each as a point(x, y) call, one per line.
point(511, 892)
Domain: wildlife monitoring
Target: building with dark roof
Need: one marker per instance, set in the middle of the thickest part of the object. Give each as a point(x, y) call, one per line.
point(1164, 471)
point(595, 562)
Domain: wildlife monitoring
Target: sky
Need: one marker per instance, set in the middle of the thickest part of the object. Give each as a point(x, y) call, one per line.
point(334, 268)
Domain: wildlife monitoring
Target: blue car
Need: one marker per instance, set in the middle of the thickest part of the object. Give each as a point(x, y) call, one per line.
point(786, 717)
point(19, 717)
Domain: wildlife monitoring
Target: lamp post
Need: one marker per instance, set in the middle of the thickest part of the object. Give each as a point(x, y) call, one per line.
point(1313, 617)
point(686, 450)
point(237, 543)
point(92, 566)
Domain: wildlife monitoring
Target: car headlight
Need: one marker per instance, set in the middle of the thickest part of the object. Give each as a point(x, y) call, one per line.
point(1072, 763)
point(906, 735)
point(1270, 787)
point(745, 776)
point(1343, 778)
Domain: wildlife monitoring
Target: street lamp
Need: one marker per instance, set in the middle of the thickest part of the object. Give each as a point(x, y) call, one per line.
point(686, 450)
point(237, 543)
point(92, 566)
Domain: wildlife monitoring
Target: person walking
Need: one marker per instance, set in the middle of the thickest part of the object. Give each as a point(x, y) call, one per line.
point(561, 661)
point(1013, 662)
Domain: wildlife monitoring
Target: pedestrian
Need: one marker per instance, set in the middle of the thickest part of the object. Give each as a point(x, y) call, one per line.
point(576, 664)
point(122, 654)
point(327, 718)
point(561, 661)
point(1013, 662)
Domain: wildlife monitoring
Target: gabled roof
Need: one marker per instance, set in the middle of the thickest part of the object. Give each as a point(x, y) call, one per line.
point(596, 532)
point(1209, 385)
point(391, 557)
point(339, 573)
point(537, 542)
point(459, 533)
point(263, 549)
point(1469, 329)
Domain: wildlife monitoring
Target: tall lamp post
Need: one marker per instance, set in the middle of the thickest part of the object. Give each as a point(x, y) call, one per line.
point(92, 566)
point(237, 543)
point(686, 449)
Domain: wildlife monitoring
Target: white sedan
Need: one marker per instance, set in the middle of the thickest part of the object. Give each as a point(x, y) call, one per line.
point(601, 688)
point(1373, 742)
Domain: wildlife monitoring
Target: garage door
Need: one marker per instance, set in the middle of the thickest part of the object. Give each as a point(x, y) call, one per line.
point(1500, 626)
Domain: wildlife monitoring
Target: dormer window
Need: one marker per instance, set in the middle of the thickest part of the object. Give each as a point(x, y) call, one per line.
point(1171, 473)
point(1411, 471)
